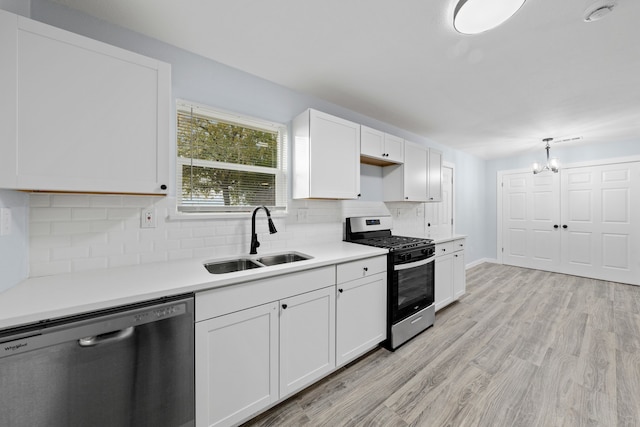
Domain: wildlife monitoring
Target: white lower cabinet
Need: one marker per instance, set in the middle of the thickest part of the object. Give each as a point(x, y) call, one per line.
point(450, 279)
point(307, 339)
point(361, 308)
point(236, 365)
point(261, 341)
point(444, 281)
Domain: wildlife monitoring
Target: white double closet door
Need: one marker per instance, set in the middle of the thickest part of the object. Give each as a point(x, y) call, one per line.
point(583, 221)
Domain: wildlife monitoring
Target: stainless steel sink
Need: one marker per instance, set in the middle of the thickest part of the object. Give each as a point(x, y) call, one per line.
point(230, 266)
point(241, 264)
point(282, 258)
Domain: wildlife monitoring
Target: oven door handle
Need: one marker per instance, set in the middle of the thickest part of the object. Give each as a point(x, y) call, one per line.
point(420, 263)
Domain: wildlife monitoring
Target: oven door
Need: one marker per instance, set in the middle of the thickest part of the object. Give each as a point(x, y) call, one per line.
point(411, 287)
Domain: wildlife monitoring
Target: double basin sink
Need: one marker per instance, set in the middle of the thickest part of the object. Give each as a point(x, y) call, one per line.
point(248, 263)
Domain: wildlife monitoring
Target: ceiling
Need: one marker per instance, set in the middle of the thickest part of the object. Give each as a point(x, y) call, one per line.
point(543, 73)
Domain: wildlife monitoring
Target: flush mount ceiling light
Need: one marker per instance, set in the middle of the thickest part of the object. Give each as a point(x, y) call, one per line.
point(552, 164)
point(477, 16)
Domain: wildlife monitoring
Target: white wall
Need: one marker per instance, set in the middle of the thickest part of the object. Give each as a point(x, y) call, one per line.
point(79, 232)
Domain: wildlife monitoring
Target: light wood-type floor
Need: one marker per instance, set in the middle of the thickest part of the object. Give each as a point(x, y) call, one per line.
point(521, 348)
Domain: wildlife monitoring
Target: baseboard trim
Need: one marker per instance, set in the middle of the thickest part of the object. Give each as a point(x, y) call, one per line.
point(481, 261)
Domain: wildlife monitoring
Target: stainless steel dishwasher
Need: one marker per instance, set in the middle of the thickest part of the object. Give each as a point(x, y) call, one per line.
point(129, 366)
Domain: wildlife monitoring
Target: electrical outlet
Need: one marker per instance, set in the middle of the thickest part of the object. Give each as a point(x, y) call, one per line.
point(148, 218)
point(302, 215)
point(5, 221)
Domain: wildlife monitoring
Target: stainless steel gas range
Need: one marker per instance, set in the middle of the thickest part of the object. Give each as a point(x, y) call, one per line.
point(411, 276)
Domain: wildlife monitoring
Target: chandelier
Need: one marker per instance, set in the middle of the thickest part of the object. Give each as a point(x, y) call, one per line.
point(552, 164)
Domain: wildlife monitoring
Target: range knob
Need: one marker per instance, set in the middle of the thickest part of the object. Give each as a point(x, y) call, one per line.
point(405, 257)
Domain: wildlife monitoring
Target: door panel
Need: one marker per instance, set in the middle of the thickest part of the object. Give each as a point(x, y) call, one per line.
point(530, 211)
point(601, 212)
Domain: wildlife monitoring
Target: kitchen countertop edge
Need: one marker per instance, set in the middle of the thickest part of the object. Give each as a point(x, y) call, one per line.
point(53, 297)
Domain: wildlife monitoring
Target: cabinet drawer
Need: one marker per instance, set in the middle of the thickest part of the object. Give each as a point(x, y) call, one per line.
point(227, 299)
point(360, 268)
point(458, 245)
point(444, 248)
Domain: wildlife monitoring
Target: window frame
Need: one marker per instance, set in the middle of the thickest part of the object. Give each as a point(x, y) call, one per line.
point(280, 172)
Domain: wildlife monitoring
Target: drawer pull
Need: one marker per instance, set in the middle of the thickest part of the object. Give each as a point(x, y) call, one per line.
point(416, 320)
point(284, 306)
point(366, 269)
point(341, 290)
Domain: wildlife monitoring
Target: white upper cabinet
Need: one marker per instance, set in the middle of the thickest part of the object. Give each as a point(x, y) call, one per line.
point(407, 182)
point(326, 157)
point(434, 184)
point(80, 115)
point(381, 148)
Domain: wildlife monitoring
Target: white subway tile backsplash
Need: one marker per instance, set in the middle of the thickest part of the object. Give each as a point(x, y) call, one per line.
point(70, 200)
point(105, 201)
point(40, 228)
point(39, 200)
point(106, 250)
point(70, 253)
point(153, 257)
point(84, 264)
point(65, 228)
point(87, 214)
point(50, 268)
point(123, 260)
point(49, 214)
point(84, 232)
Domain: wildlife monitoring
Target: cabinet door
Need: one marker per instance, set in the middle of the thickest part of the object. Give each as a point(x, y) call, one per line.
point(435, 176)
point(9, 73)
point(334, 157)
point(361, 316)
point(372, 143)
point(90, 117)
point(307, 339)
point(394, 148)
point(236, 365)
point(459, 275)
point(444, 281)
point(415, 172)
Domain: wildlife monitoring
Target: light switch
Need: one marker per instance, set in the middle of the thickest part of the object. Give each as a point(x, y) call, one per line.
point(5, 221)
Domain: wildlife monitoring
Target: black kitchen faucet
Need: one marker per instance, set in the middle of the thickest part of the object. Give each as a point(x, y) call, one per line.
point(254, 236)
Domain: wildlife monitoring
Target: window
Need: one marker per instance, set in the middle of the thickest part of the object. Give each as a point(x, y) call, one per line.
point(229, 163)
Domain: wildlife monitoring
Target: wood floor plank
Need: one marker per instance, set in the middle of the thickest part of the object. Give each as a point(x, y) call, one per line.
point(503, 397)
point(596, 368)
point(521, 348)
point(628, 388)
point(549, 391)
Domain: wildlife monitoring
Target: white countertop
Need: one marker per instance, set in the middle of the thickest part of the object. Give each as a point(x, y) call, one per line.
point(51, 297)
point(448, 238)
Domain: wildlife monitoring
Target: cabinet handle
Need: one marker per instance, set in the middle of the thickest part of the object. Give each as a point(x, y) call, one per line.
point(430, 198)
point(366, 269)
point(461, 245)
point(565, 226)
point(341, 290)
point(406, 198)
point(456, 255)
point(163, 187)
point(555, 226)
point(284, 306)
point(444, 250)
point(359, 194)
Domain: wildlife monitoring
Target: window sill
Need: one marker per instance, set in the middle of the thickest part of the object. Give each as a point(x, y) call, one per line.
point(187, 216)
